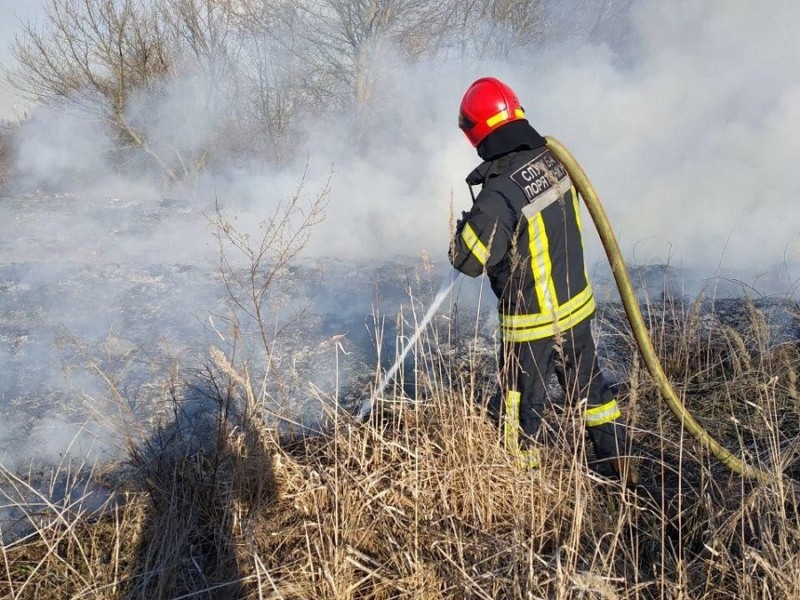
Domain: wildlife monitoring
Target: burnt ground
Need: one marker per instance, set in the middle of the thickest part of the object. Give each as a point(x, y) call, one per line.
point(102, 304)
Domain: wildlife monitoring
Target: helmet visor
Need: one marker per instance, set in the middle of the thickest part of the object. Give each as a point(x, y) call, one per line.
point(464, 122)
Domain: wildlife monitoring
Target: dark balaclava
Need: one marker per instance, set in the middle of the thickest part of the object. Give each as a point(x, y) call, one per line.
point(516, 135)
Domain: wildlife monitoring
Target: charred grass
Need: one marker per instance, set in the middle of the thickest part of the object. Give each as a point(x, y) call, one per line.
point(422, 501)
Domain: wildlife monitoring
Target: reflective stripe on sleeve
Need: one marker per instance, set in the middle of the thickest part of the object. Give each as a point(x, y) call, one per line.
point(604, 413)
point(474, 244)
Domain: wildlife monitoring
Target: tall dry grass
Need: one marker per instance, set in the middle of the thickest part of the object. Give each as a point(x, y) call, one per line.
point(423, 502)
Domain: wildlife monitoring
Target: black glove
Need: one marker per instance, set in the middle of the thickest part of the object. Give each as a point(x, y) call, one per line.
point(459, 227)
point(465, 215)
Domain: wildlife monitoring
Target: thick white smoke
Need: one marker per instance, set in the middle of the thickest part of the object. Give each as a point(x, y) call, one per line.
point(689, 131)
point(686, 120)
point(691, 143)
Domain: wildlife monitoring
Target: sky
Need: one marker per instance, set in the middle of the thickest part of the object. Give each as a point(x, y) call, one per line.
point(11, 13)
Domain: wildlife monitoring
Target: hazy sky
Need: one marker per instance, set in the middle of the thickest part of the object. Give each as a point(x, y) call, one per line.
point(11, 11)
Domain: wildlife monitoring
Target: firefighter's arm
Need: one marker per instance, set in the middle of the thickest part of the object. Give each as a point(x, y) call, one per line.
point(481, 240)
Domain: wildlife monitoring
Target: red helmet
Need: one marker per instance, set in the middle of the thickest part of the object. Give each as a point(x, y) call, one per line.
point(487, 104)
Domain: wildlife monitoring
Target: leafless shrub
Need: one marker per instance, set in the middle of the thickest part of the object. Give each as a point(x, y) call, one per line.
point(250, 265)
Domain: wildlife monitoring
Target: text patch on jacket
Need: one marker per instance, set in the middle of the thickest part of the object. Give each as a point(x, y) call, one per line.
point(543, 180)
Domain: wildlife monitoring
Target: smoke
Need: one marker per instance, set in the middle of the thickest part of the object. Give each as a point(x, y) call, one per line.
point(60, 148)
point(685, 118)
point(689, 136)
point(685, 115)
point(688, 128)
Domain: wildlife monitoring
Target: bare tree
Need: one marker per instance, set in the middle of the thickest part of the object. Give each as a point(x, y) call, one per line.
point(273, 98)
point(278, 84)
point(94, 54)
point(495, 29)
point(205, 117)
point(182, 80)
point(355, 34)
point(339, 47)
point(119, 61)
point(179, 79)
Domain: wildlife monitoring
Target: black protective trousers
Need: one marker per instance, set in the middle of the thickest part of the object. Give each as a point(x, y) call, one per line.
point(525, 370)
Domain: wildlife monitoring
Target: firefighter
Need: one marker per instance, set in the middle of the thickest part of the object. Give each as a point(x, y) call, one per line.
point(524, 231)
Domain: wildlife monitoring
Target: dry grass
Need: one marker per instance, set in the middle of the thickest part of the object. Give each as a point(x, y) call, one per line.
point(422, 502)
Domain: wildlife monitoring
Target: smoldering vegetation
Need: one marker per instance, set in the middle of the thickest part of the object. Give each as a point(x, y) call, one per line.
point(215, 491)
point(423, 500)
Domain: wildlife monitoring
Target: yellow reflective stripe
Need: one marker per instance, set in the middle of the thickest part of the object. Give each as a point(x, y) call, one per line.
point(540, 264)
point(529, 459)
point(576, 302)
point(474, 244)
point(498, 118)
point(539, 281)
point(548, 266)
point(576, 317)
point(511, 425)
point(545, 331)
point(538, 319)
point(602, 414)
point(550, 293)
point(503, 116)
point(580, 226)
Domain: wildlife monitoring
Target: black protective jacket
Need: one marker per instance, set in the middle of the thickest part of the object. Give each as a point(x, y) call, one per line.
point(524, 230)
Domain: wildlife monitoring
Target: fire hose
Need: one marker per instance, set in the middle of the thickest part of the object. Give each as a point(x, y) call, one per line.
point(640, 333)
point(631, 305)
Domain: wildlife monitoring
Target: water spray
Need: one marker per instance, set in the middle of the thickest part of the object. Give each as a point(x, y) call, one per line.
point(448, 282)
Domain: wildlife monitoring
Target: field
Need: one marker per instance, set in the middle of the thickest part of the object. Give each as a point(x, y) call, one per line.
point(422, 501)
point(181, 359)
